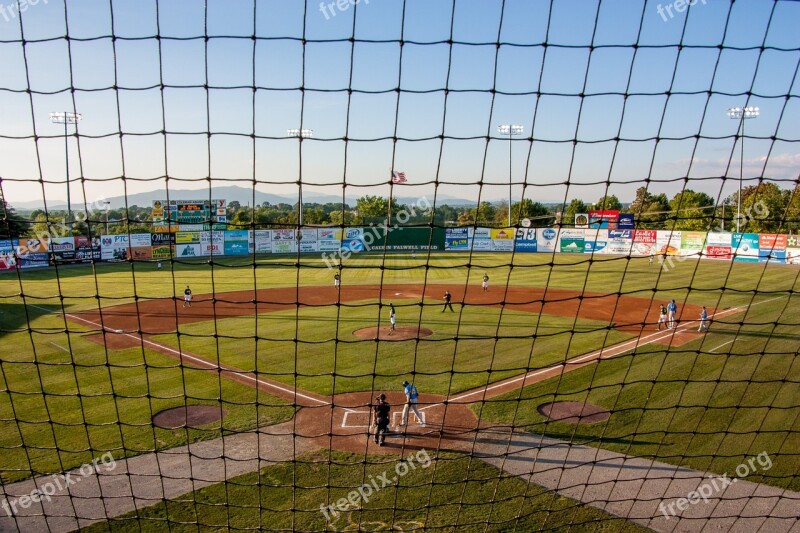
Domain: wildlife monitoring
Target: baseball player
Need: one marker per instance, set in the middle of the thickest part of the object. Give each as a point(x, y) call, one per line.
point(392, 318)
point(337, 281)
point(485, 283)
point(662, 316)
point(703, 320)
point(672, 309)
point(158, 265)
point(447, 298)
point(381, 411)
point(411, 403)
point(187, 297)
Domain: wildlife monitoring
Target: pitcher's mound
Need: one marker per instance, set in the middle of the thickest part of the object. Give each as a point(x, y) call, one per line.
point(401, 333)
point(573, 412)
point(188, 416)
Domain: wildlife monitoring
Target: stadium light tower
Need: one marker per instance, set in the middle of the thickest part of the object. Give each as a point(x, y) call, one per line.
point(740, 114)
point(510, 130)
point(66, 118)
point(301, 134)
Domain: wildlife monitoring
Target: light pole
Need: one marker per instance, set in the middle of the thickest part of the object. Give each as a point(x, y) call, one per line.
point(740, 114)
point(301, 134)
point(510, 130)
point(66, 118)
point(107, 206)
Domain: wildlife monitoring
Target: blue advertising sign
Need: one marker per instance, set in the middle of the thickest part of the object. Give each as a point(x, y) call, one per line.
point(626, 221)
point(525, 240)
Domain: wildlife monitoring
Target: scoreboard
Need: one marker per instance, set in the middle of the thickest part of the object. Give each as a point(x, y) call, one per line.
point(181, 212)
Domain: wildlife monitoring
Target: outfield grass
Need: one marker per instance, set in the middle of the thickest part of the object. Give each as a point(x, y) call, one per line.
point(454, 493)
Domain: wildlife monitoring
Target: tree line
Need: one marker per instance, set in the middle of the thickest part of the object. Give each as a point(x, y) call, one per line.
point(778, 212)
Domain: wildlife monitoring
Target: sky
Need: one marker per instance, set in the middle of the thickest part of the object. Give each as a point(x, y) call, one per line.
point(159, 99)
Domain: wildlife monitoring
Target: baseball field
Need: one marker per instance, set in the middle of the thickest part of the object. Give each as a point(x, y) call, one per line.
point(93, 354)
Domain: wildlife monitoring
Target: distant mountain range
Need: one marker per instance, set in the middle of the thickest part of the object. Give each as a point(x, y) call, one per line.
point(230, 193)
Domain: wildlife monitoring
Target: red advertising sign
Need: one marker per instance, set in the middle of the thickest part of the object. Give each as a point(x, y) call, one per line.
point(719, 252)
point(647, 236)
point(603, 219)
point(772, 241)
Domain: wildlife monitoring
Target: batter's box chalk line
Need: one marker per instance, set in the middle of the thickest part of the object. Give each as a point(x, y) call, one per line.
point(362, 419)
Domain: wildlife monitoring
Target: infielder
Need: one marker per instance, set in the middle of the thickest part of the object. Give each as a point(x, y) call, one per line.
point(662, 316)
point(672, 309)
point(337, 281)
point(447, 298)
point(187, 297)
point(392, 318)
point(485, 283)
point(703, 320)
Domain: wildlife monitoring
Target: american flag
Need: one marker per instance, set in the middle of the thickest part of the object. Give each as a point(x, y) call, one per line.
point(398, 177)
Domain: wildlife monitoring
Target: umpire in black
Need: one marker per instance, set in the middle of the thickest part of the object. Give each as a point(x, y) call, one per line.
point(381, 411)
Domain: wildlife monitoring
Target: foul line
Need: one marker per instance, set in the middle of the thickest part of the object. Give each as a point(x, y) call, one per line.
point(198, 360)
point(597, 354)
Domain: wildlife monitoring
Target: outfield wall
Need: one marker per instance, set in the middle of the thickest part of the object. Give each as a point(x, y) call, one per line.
point(747, 247)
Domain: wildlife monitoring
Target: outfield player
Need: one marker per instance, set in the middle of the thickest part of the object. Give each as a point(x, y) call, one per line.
point(485, 283)
point(672, 309)
point(703, 320)
point(392, 318)
point(337, 281)
point(411, 403)
point(662, 316)
point(187, 297)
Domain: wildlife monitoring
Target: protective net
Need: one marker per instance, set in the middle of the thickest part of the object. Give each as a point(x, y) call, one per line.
point(340, 267)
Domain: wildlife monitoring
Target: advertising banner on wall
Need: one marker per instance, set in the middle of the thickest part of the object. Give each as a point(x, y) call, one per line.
point(33, 260)
point(8, 258)
point(595, 241)
point(114, 247)
point(525, 240)
point(87, 249)
point(546, 240)
point(237, 242)
point(63, 248)
point(644, 242)
point(718, 246)
point(626, 221)
point(458, 239)
point(693, 243)
point(184, 251)
point(603, 219)
point(308, 240)
point(772, 247)
point(329, 239)
point(620, 242)
point(582, 220)
point(502, 239)
point(140, 247)
point(212, 243)
point(482, 240)
point(262, 240)
point(745, 247)
point(668, 242)
point(163, 245)
point(284, 241)
point(571, 241)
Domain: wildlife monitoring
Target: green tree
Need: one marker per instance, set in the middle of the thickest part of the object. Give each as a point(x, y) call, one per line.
point(527, 208)
point(691, 211)
point(574, 207)
point(12, 225)
point(374, 206)
point(764, 209)
point(608, 203)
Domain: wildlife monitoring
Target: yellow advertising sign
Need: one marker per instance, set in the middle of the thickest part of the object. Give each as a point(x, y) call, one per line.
point(503, 234)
